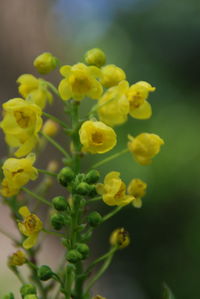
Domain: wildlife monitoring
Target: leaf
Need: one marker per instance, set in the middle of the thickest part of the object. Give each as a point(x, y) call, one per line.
point(167, 293)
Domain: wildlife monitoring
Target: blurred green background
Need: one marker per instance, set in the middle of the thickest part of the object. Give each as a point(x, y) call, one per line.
point(152, 40)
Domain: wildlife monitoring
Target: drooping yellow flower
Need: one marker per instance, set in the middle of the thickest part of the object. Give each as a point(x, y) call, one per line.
point(21, 124)
point(34, 90)
point(114, 105)
point(120, 237)
point(111, 75)
point(45, 63)
point(7, 190)
point(17, 259)
point(30, 227)
point(113, 190)
point(18, 172)
point(144, 147)
point(137, 188)
point(96, 137)
point(95, 57)
point(80, 81)
point(137, 95)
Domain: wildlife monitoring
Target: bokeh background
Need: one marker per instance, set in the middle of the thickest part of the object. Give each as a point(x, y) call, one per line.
point(153, 40)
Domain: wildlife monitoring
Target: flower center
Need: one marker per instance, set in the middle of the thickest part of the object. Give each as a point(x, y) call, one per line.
point(22, 119)
point(80, 83)
point(31, 223)
point(97, 138)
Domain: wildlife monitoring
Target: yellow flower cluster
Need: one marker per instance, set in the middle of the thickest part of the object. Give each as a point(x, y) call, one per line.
point(17, 173)
point(30, 227)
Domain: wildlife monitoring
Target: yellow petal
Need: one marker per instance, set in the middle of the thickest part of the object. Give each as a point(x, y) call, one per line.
point(65, 70)
point(142, 112)
point(30, 241)
point(24, 211)
point(137, 203)
point(65, 90)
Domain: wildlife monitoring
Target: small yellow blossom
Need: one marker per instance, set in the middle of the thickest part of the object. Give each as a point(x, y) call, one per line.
point(45, 63)
point(17, 259)
point(111, 75)
point(6, 190)
point(137, 95)
point(114, 105)
point(98, 297)
point(33, 90)
point(18, 172)
point(80, 81)
point(120, 237)
point(144, 147)
point(113, 190)
point(137, 188)
point(30, 227)
point(50, 128)
point(96, 137)
point(95, 57)
point(21, 124)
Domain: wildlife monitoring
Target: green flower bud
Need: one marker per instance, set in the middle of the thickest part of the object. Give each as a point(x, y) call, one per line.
point(60, 203)
point(45, 63)
point(93, 191)
point(92, 176)
point(9, 296)
point(83, 188)
point(83, 249)
point(57, 221)
point(94, 219)
point(95, 57)
point(27, 289)
point(73, 256)
point(31, 297)
point(65, 176)
point(44, 273)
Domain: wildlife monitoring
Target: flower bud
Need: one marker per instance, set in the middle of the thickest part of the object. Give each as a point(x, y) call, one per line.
point(50, 128)
point(83, 188)
point(95, 57)
point(92, 176)
point(120, 237)
point(93, 191)
point(98, 297)
point(74, 256)
point(52, 166)
point(31, 296)
point(94, 219)
point(17, 259)
point(44, 273)
point(45, 63)
point(57, 221)
point(60, 203)
point(9, 296)
point(83, 249)
point(65, 176)
point(27, 289)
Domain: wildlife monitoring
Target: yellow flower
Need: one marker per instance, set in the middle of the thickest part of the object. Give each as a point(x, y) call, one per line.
point(80, 81)
point(120, 237)
point(137, 95)
point(144, 147)
point(114, 105)
point(45, 63)
point(50, 128)
point(113, 190)
point(98, 297)
point(95, 57)
point(96, 137)
point(137, 188)
point(112, 75)
point(30, 227)
point(18, 172)
point(33, 90)
point(6, 190)
point(17, 259)
point(21, 124)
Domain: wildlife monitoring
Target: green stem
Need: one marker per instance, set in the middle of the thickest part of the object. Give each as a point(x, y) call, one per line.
point(47, 172)
point(109, 215)
point(93, 200)
point(75, 135)
point(108, 159)
point(52, 232)
point(55, 144)
point(100, 272)
point(69, 281)
point(54, 118)
point(52, 87)
point(97, 106)
point(43, 200)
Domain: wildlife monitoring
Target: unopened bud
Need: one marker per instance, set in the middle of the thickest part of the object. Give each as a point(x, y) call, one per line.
point(60, 203)
point(83, 249)
point(94, 219)
point(95, 57)
point(120, 237)
point(65, 176)
point(92, 176)
point(32, 296)
point(83, 188)
point(45, 63)
point(74, 256)
point(44, 273)
point(9, 296)
point(27, 289)
point(57, 221)
point(50, 128)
